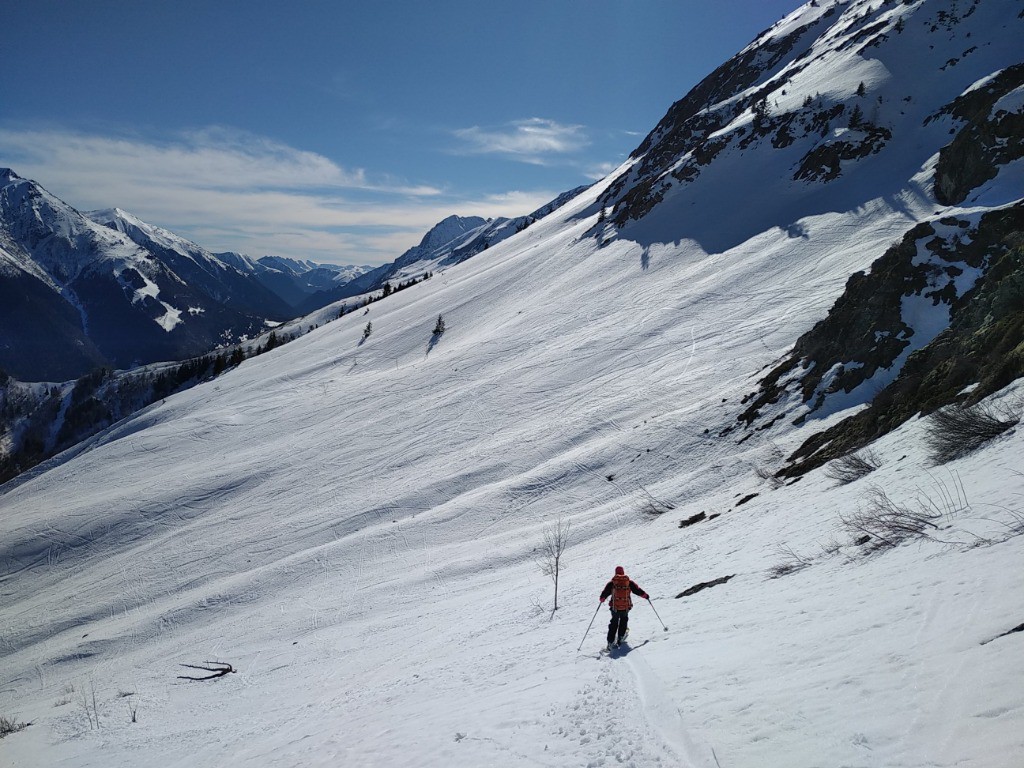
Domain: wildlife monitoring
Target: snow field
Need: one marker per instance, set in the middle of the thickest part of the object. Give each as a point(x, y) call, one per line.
point(354, 527)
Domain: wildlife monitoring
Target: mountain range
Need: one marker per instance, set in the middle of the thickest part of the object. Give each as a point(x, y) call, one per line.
point(79, 292)
point(104, 288)
point(771, 365)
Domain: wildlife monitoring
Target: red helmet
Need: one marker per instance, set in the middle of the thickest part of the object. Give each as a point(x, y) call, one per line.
point(620, 571)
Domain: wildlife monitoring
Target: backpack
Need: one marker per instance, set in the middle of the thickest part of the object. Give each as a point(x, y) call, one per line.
point(621, 598)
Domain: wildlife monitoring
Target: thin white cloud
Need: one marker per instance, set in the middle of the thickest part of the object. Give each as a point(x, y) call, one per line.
point(213, 158)
point(534, 140)
point(599, 170)
point(230, 190)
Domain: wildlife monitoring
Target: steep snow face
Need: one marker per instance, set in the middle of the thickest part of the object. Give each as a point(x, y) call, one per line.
point(790, 124)
point(841, 107)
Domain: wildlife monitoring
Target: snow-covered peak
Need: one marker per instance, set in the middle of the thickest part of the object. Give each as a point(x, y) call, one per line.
point(115, 218)
point(288, 265)
point(146, 234)
point(55, 236)
point(447, 230)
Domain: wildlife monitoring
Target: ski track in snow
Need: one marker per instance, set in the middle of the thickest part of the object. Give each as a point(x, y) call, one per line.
point(610, 723)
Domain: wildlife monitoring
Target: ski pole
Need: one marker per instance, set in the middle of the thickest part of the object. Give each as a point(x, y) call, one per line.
point(656, 613)
point(588, 628)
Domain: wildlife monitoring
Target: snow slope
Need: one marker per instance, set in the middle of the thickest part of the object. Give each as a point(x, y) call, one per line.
point(354, 526)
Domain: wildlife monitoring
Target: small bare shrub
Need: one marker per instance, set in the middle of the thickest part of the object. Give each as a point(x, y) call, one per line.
point(1014, 526)
point(653, 509)
point(957, 430)
point(88, 701)
point(791, 563)
point(887, 523)
point(773, 456)
point(652, 506)
point(831, 547)
point(66, 698)
point(853, 466)
point(9, 725)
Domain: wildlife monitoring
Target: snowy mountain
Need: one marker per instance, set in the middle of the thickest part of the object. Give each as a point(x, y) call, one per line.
point(295, 280)
point(353, 521)
point(110, 290)
point(230, 284)
point(450, 241)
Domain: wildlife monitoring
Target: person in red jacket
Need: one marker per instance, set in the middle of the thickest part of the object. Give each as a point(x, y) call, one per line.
point(619, 589)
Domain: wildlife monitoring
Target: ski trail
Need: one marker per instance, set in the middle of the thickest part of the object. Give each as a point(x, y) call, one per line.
point(606, 725)
point(664, 717)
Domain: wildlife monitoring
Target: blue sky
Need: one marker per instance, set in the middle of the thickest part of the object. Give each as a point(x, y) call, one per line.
point(342, 131)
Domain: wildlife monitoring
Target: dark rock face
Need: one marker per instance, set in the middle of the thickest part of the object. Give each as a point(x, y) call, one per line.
point(824, 162)
point(27, 310)
point(129, 333)
point(688, 125)
point(990, 138)
point(865, 331)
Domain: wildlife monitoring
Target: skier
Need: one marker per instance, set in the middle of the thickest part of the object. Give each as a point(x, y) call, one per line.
point(619, 589)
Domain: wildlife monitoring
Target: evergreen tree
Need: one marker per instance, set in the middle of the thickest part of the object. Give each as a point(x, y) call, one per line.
point(857, 117)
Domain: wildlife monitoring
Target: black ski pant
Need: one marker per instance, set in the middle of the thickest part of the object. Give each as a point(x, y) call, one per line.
point(617, 626)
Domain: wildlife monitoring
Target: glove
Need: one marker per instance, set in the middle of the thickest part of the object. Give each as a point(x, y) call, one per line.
point(602, 599)
point(646, 596)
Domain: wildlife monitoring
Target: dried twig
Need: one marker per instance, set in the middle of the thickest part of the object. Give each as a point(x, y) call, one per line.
point(853, 466)
point(217, 668)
